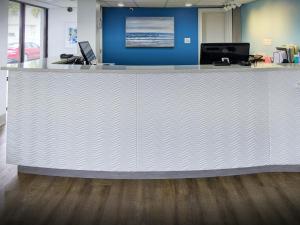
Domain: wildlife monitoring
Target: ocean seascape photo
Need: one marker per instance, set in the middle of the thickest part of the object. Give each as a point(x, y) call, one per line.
point(155, 32)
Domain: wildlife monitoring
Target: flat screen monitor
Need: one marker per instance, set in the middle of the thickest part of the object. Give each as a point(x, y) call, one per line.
point(87, 52)
point(214, 52)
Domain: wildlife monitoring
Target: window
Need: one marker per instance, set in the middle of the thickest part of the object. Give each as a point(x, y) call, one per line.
point(27, 35)
point(34, 33)
point(13, 52)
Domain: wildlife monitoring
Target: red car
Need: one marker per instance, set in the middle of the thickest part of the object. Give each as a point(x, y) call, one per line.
point(32, 51)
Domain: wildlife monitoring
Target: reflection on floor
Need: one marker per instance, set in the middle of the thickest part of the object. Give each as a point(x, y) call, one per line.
point(254, 199)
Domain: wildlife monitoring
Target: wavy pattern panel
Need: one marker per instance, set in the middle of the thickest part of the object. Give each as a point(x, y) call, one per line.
point(285, 117)
point(202, 121)
point(72, 121)
point(153, 122)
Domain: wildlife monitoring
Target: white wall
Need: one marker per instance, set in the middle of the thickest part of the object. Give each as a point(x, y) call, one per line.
point(3, 56)
point(87, 22)
point(268, 24)
point(58, 20)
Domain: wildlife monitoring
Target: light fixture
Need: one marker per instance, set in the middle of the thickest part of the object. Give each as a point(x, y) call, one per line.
point(121, 4)
point(232, 4)
point(188, 5)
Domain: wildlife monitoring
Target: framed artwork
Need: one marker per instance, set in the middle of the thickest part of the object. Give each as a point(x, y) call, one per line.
point(71, 35)
point(152, 32)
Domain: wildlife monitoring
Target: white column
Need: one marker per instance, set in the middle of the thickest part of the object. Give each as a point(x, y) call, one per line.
point(99, 32)
point(3, 56)
point(3, 31)
point(86, 22)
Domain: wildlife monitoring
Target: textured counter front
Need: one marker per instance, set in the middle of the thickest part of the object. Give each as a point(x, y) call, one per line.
point(164, 123)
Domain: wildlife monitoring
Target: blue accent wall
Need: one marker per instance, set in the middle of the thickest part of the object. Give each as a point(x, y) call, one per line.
point(278, 20)
point(115, 51)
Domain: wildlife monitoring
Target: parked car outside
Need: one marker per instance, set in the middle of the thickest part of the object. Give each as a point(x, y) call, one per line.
point(32, 52)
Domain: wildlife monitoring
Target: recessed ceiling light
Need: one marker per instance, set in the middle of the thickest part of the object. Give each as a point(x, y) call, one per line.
point(188, 4)
point(121, 4)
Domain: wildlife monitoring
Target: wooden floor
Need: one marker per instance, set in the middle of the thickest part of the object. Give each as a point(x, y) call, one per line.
point(254, 199)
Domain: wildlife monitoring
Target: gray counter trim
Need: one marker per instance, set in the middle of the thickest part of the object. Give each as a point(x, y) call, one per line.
point(145, 71)
point(158, 175)
point(45, 66)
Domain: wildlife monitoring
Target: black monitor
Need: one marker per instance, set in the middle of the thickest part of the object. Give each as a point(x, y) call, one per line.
point(87, 52)
point(212, 53)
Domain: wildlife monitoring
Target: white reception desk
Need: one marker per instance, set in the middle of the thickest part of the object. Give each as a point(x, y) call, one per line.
point(153, 122)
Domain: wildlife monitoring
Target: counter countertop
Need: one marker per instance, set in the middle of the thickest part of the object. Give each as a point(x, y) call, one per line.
point(46, 65)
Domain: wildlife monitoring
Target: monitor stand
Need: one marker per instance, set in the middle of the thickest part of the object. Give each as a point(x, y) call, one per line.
point(220, 63)
point(223, 62)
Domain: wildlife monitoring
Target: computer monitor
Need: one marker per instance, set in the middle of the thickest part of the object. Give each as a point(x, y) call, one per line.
point(87, 52)
point(212, 53)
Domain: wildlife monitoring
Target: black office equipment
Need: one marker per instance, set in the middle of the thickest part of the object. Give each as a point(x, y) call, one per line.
point(66, 56)
point(74, 60)
point(256, 59)
point(87, 52)
point(245, 63)
point(224, 53)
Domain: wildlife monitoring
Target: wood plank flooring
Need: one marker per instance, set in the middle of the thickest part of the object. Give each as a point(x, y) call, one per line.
point(253, 199)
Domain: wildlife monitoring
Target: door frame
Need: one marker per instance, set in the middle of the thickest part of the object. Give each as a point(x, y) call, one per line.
point(228, 25)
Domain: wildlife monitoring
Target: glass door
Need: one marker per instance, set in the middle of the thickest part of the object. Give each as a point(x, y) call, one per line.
point(14, 18)
point(34, 33)
point(27, 32)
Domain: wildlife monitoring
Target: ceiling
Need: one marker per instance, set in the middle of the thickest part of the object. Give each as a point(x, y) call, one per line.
point(52, 3)
point(133, 3)
point(164, 3)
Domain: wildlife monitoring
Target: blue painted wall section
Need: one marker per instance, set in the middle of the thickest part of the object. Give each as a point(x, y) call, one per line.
point(115, 51)
point(278, 20)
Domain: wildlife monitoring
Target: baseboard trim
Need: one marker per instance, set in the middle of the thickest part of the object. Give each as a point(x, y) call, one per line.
point(2, 120)
point(158, 175)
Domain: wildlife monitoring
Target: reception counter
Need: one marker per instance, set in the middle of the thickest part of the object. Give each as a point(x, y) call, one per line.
point(153, 122)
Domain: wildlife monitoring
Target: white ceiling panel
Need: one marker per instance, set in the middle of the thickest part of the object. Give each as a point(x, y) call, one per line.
point(170, 3)
point(134, 3)
point(53, 3)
